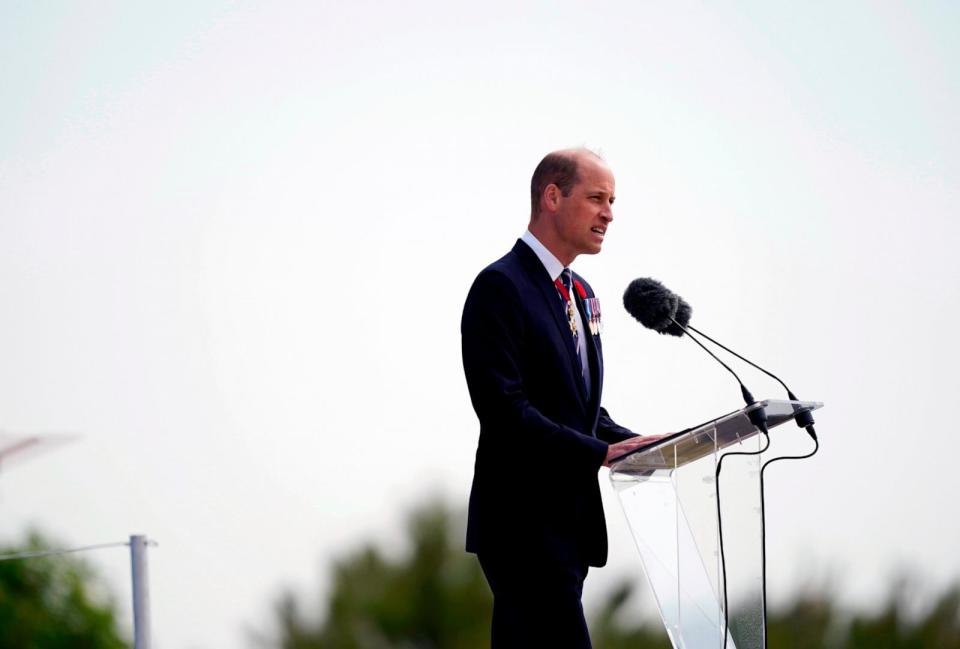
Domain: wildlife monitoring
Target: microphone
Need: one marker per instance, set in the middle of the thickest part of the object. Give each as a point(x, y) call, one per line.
point(649, 301)
point(657, 307)
point(653, 304)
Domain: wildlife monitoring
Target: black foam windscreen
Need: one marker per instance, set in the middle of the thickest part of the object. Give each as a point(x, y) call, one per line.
point(653, 304)
point(682, 317)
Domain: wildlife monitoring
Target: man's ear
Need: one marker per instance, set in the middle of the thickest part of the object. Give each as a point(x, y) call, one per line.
point(551, 197)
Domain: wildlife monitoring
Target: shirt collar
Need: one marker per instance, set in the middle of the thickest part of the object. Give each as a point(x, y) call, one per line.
point(551, 263)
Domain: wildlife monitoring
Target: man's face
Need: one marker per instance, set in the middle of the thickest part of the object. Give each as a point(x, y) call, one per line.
point(581, 219)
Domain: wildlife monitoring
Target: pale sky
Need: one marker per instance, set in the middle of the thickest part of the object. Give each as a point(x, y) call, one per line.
point(235, 240)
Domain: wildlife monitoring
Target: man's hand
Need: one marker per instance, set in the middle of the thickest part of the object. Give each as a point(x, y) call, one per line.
point(627, 445)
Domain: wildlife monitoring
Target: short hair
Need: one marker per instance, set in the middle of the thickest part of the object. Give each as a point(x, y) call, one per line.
point(558, 168)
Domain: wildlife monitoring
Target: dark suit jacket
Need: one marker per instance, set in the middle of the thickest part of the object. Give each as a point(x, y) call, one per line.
point(542, 439)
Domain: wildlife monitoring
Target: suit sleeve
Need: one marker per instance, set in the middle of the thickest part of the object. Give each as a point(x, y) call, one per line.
point(610, 431)
point(492, 335)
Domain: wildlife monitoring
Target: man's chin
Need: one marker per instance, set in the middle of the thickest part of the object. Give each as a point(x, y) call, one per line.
point(589, 250)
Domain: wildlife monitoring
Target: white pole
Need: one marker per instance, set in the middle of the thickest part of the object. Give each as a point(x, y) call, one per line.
point(141, 592)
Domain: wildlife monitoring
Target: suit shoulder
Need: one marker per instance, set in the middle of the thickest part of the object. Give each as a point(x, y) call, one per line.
point(494, 294)
point(508, 265)
point(499, 275)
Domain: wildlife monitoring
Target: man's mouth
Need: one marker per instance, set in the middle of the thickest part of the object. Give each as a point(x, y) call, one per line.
point(600, 231)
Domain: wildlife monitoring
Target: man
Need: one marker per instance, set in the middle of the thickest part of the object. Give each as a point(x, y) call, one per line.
point(534, 367)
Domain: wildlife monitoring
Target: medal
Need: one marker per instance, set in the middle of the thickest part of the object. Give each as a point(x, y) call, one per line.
point(588, 307)
point(572, 319)
point(593, 309)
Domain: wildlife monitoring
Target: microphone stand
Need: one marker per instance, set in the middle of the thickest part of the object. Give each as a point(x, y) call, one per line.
point(804, 419)
point(758, 417)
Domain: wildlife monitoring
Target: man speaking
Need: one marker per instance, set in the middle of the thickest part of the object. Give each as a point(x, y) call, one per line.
point(534, 367)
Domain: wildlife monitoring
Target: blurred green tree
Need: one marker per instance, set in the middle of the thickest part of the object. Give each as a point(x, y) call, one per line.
point(814, 620)
point(435, 597)
point(609, 631)
point(53, 602)
point(899, 626)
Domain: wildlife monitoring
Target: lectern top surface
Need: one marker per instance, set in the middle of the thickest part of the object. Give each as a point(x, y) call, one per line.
point(696, 442)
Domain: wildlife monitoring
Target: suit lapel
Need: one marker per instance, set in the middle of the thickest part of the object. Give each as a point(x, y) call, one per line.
point(593, 354)
point(551, 303)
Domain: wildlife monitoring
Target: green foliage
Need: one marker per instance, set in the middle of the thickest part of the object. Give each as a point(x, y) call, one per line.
point(811, 621)
point(814, 621)
point(894, 627)
point(435, 597)
point(609, 632)
point(49, 603)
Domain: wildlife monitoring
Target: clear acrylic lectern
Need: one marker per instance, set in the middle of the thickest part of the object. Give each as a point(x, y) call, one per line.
point(668, 494)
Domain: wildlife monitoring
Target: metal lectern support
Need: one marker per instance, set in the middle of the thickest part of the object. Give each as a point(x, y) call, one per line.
point(668, 495)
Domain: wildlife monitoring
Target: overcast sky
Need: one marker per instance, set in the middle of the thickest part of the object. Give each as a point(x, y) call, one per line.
point(235, 240)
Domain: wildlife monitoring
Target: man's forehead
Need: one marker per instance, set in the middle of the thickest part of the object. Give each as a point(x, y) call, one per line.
point(596, 176)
